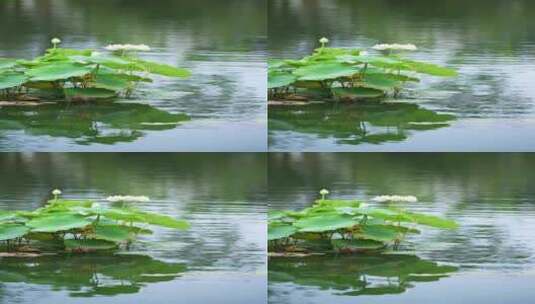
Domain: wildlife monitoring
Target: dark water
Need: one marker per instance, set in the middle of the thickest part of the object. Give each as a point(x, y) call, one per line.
point(224, 96)
point(221, 259)
point(489, 259)
point(490, 43)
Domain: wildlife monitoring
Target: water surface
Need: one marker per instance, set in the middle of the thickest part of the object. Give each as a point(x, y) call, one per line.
point(490, 43)
point(489, 259)
point(225, 95)
point(223, 251)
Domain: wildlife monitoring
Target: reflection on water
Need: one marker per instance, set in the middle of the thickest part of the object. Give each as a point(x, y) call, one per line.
point(353, 124)
point(490, 195)
point(225, 246)
point(105, 123)
point(88, 275)
point(380, 274)
point(226, 93)
point(494, 55)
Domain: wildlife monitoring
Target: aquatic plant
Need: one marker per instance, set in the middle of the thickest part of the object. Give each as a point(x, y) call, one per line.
point(80, 75)
point(348, 74)
point(345, 226)
point(78, 226)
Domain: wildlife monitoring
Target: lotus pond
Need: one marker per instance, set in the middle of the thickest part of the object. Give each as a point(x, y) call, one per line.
point(488, 106)
point(211, 235)
point(490, 256)
point(223, 95)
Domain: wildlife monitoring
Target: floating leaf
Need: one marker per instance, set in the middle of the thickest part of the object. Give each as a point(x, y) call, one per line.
point(69, 203)
point(325, 71)
point(12, 231)
point(110, 82)
point(164, 221)
point(280, 79)
point(381, 233)
point(114, 233)
point(428, 68)
point(6, 63)
point(379, 82)
point(325, 223)
point(57, 222)
point(132, 215)
point(58, 71)
point(11, 80)
point(7, 215)
point(280, 230)
point(162, 69)
point(433, 221)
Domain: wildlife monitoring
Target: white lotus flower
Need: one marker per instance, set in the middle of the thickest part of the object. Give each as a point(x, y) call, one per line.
point(395, 198)
point(127, 198)
point(395, 46)
point(56, 192)
point(127, 47)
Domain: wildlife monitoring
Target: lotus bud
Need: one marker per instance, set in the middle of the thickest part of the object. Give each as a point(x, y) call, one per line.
point(324, 41)
point(323, 193)
point(56, 193)
point(55, 41)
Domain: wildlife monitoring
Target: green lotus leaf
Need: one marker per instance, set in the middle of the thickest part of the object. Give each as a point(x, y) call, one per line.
point(59, 71)
point(12, 231)
point(123, 214)
point(7, 215)
point(132, 215)
point(69, 203)
point(11, 80)
point(57, 222)
point(378, 61)
point(110, 82)
point(433, 221)
point(280, 230)
point(272, 215)
point(69, 52)
point(381, 82)
point(7, 63)
point(114, 233)
point(323, 223)
point(280, 79)
point(325, 71)
point(114, 62)
point(162, 69)
point(428, 68)
point(164, 221)
point(381, 233)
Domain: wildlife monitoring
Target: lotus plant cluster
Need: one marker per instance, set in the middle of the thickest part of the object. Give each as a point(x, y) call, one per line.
point(80, 75)
point(79, 225)
point(346, 226)
point(348, 74)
